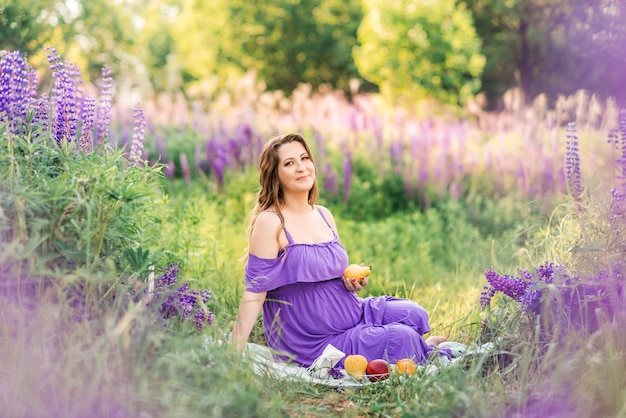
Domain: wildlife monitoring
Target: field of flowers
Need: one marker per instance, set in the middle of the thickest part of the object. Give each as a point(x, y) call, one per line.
point(122, 226)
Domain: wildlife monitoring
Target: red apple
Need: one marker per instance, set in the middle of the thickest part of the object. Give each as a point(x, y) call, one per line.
point(377, 369)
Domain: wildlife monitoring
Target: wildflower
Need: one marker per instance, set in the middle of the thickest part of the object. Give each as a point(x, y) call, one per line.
point(183, 302)
point(347, 170)
point(169, 169)
point(330, 180)
point(486, 295)
point(136, 147)
point(184, 165)
point(17, 88)
point(64, 95)
point(86, 139)
point(169, 277)
point(217, 157)
point(75, 295)
point(42, 112)
point(511, 286)
point(335, 373)
point(572, 163)
point(104, 105)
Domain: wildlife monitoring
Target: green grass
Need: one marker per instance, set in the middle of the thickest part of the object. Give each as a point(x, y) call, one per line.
point(124, 360)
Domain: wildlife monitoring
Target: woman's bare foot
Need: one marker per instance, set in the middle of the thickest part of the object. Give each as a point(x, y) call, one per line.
point(435, 340)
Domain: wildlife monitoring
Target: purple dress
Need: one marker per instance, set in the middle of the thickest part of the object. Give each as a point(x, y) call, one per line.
point(308, 307)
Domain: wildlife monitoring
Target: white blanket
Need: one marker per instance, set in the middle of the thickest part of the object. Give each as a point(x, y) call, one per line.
point(264, 364)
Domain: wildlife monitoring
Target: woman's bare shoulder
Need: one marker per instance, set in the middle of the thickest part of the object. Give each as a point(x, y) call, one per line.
point(263, 241)
point(267, 220)
point(325, 211)
point(329, 217)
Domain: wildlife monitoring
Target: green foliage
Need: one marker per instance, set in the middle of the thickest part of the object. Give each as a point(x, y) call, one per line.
point(68, 210)
point(22, 27)
point(550, 47)
point(431, 50)
point(285, 42)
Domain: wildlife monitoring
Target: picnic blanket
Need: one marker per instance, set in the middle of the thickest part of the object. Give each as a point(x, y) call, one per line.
point(322, 371)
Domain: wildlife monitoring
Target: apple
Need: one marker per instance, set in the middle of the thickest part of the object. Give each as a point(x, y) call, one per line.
point(377, 369)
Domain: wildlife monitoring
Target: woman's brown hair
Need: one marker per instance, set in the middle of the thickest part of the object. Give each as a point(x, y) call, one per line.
point(271, 194)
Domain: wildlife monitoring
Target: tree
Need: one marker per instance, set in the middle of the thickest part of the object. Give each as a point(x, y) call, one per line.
point(552, 46)
point(286, 42)
point(420, 49)
point(26, 24)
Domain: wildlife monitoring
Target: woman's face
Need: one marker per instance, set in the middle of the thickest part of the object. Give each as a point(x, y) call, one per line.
point(296, 171)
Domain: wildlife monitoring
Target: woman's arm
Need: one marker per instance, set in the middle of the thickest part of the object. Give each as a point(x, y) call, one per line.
point(249, 308)
point(263, 243)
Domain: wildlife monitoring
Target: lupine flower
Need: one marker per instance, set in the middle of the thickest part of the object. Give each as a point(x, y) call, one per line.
point(104, 105)
point(512, 286)
point(528, 288)
point(139, 131)
point(572, 163)
point(622, 159)
point(17, 81)
point(185, 303)
point(75, 294)
point(42, 113)
point(184, 166)
point(335, 373)
point(64, 96)
point(486, 295)
point(169, 169)
point(330, 180)
point(169, 277)
point(217, 157)
point(86, 134)
point(347, 176)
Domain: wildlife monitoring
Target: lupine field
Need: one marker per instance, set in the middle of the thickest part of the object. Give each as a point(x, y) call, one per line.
point(123, 225)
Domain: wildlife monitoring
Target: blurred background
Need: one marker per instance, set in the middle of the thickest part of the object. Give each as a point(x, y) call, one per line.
point(465, 54)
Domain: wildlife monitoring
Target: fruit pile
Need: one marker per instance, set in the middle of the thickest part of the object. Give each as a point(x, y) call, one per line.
point(361, 369)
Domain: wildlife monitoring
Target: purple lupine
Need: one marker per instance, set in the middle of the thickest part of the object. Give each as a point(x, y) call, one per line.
point(86, 133)
point(218, 160)
point(104, 105)
point(572, 163)
point(184, 302)
point(512, 286)
point(75, 295)
point(65, 93)
point(486, 295)
point(396, 152)
point(169, 169)
point(16, 88)
point(184, 166)
point(169, 277)
point(335, 373)
point(139, 132)
point(247, 137)
point(42, 113)
point(235, 150)
point(347, 176)
point(527, 289)
point(622, 159)
point(330, 180)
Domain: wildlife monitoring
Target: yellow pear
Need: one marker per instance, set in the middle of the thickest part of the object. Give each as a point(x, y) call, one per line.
point(357, 271)
point(355, 365)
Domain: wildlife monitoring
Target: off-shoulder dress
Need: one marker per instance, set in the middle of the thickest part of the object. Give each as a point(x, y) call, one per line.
point(308, 307)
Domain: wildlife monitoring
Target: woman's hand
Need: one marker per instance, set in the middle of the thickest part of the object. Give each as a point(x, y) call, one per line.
point(353, 285)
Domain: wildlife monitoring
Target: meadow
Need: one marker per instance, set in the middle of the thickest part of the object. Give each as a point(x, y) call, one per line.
point(122, 240)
